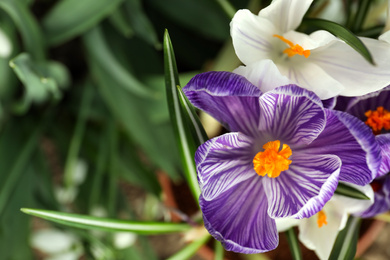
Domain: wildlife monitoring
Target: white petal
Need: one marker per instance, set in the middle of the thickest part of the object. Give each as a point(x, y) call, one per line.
point(312, 77)
point(252, 37)
point(263, 74)
point(286, 15)
point(345, 65)
point(283, 224)
point(52, 241)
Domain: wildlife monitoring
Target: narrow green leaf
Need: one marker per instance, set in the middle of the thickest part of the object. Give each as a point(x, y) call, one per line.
point(345, 246)
point(199, 133)
point(293, 244)
point(227, 7)
point(183, 135)
point(351, 192)
point(107, 224)
point(70, 18)
point(99, 50)
point(219, 251)
point(75, 143)
point(344, 34)
point(27, 26)
point(361, 14)
point(119, 20)
point(190, 249)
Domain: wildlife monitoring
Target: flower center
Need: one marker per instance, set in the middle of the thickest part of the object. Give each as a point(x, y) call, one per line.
point(294, 48)
point(271, 161)
point(378, 119)
point(321, 218)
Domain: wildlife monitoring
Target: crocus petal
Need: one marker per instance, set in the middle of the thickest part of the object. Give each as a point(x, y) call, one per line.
point(303, 189)
point(238, 219)
point(5, 45)
point(348, 67)
point(312, 77)
point(358, 106)
point(252, 37)
point(263, 74)
point(381, 199)
point(224, 162)
point(286, 15)
point(228, 97)
point(384, 143)
point(292, 115)
point(353, 142)
point(283, 224)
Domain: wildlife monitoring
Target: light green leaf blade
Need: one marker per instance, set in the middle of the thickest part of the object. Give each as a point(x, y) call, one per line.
point(28, 27)
point(107, 224)
point(70, 18)
point(345, 246)
point(344, 34)
point(351, 192)
point(293, 244)
point(190, 249)
point(186, 143)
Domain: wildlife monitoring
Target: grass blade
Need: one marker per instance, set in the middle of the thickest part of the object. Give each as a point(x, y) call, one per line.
point(107, 224)
point(293, 244)
point(190, 249)
point(351, 192)
point(183, 135)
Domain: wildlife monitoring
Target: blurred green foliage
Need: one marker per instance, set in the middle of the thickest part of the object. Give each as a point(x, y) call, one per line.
point(82, 93)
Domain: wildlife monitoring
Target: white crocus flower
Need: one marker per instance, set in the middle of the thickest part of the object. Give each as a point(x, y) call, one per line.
point(319, 62)
point(5, 45)
point(320, 231)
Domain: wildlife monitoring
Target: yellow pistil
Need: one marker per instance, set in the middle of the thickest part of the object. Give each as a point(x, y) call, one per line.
point(378, 119)
point(321, 219)
point(271, 161)
point(294, 48)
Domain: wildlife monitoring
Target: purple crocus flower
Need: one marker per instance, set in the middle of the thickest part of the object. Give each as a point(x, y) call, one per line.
point(283, 157)
point(374, 110)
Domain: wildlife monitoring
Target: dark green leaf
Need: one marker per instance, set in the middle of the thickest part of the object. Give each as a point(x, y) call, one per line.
point(345, 246)
point(186, 143)
point(107, 224)
point(361, 13)
point(344, 34)
point(293, 243)
point(70, 18)
point(351, 192)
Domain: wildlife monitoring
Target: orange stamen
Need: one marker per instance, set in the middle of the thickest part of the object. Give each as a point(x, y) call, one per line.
point(271, 161)
point(294, 48)
point(378, 119)
point(321, 219)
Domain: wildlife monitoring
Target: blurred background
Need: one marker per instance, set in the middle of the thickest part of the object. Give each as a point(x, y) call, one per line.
point(84, 121)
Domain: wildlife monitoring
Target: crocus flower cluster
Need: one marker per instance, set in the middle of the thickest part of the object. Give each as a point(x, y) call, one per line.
point(288, 148)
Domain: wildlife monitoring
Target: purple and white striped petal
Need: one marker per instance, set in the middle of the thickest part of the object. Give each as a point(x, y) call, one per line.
point(228, 97)
point(238, 219)
point(224, 162)
point(381, 204)
point(293, 115)
point(384, 143)
point(358, 106)
point(353, 142)
point(303, 189)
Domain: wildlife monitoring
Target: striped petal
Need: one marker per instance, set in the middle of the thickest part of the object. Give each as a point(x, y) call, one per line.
point(353, 142)
point(238, 219)
point(384, 143)
point(224, 162)
point(381, 187)
point(228, 97)
point(303, 189)
point(292, 115)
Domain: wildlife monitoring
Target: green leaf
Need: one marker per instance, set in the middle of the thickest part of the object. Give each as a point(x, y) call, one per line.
point(345, 246)
point(190, 249)
point(97, 47)
point(27, 26)
point(344, 34)
point(348, 191)
point(39, 85)
point(293, 244)
point(70, 18)
point(219, 251)
point(107, 224)
point(186, 143)
point(361, 14)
